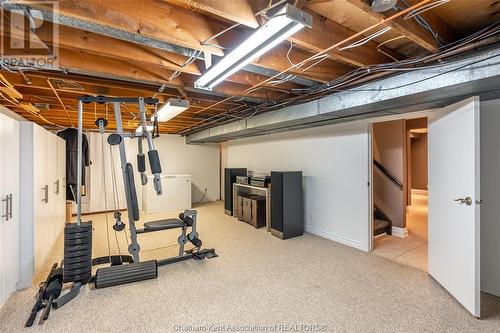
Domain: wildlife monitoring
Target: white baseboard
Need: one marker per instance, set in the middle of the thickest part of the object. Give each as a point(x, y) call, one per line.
point(335, 238)
point(400, 232)
point(417, 191)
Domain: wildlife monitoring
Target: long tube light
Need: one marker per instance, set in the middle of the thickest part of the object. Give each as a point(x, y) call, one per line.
point(171, 108)
point(138, 130)
point(287, 21)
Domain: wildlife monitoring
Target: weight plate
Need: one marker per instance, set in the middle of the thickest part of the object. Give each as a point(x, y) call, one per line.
point(77, 271)
point(78, 254)
point(77, 247)
point(71, 260)
point(70, 228)
point(78, 235)
point(83, 266)
point(78, 241)
point(77, 278)
point(73, 227)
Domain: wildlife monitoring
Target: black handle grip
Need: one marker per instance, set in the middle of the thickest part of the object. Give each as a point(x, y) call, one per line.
point(188, 221)
point(46, 311)
point(154, 161)
point(34, 312)
point(141, 163)
point(196, 242)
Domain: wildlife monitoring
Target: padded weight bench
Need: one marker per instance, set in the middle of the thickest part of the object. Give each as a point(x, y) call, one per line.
point(162, 225)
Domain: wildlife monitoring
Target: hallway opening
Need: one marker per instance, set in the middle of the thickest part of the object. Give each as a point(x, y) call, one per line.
point(400, 199)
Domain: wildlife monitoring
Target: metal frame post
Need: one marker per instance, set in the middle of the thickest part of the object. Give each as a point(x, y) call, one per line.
point(134, 247)
point(79, 165)
point(151, 145)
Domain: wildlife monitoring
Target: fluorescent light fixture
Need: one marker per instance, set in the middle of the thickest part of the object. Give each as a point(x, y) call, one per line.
point(171, 108)
point(287, 21)
point(149, 128)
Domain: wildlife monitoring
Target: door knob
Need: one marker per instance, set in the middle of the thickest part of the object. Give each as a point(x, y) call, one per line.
point(466, 200)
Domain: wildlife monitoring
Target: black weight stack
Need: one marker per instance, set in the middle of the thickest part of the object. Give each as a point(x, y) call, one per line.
point(77, 266)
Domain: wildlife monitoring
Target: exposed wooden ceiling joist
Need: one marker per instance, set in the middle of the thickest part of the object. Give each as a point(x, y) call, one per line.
point(173, 29)
point(233, 10)
point(323, 33)
point(410, 28)
point(39, 88)
point(131, 48)
point(103, 46)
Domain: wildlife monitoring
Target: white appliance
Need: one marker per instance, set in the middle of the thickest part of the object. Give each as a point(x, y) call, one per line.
point(176, 194)
point(43, 194)
point(9, 206)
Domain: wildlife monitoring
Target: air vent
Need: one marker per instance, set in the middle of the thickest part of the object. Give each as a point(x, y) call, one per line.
point(29, 108)
point(67, 84)
point(42, 106)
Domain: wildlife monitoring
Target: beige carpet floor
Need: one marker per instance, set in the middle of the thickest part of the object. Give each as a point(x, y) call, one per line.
point(259, 280)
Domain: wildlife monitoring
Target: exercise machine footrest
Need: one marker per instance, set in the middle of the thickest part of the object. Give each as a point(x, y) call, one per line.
point(121, 274)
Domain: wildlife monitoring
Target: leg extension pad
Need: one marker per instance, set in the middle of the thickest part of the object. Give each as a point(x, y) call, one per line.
point(121, 274)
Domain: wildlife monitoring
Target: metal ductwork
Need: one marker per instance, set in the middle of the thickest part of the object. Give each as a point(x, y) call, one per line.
point(421, 89)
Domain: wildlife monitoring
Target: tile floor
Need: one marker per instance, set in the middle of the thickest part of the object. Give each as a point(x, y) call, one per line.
point(412, 250)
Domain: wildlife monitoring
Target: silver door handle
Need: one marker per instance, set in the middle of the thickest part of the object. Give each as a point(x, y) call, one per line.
point(10, 211)
point(466, 200)
point(6, 215)
point(57, 187)
point(46, 192)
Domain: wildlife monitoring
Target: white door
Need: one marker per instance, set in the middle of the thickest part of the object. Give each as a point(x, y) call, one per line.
point(3, 210)
point(10, 242)
point(41, 195)
point(454, 259)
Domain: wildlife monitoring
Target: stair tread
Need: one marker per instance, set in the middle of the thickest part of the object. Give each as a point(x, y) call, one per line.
point(379, 224)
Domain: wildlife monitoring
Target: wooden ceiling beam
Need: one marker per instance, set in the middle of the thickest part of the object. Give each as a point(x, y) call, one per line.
point(410, 28)
point(93, 86)
point(232, 11)
point(81, 62)
point(173, 29)
point(323, 33)
point(37, 95)
point(37, 90)
point(100, 45)
point(154, 20)
point(446, 32)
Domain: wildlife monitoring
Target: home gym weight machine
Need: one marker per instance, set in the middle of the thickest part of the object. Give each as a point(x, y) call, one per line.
point(78, 262)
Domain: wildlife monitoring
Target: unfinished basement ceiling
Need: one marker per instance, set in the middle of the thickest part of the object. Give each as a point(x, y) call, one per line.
point(115, 48)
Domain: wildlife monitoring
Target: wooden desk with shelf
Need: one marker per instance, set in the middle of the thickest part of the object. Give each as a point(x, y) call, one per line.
point(239, 189)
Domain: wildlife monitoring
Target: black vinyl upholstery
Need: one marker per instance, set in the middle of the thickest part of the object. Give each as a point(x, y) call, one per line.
point(163, 224)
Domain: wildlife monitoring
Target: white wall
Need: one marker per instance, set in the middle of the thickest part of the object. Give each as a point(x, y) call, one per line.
point(490, 194)
point(97, 190)
point(389, 149)
point(199, 161)
point(334, 162)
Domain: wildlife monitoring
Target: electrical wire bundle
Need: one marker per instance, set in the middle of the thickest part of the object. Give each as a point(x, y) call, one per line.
point(349, 81)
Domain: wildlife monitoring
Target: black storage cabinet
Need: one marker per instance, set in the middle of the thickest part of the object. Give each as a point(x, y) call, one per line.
point(229, 179)
point(287, 212)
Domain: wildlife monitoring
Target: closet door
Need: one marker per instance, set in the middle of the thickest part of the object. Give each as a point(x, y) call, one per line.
point(53, 175)
point(10, 191)
point(61, 171)
point(41, 195)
